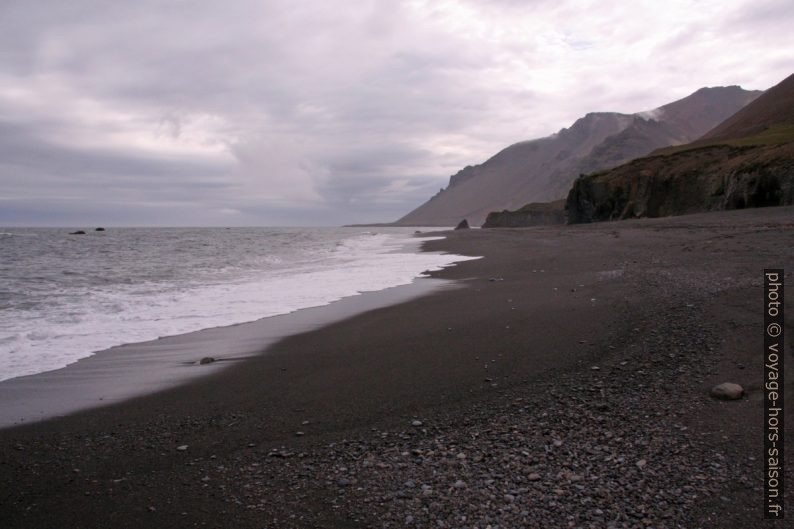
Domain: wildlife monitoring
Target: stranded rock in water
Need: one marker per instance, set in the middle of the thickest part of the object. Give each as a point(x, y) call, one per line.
point(727, 391)
point(463, 225)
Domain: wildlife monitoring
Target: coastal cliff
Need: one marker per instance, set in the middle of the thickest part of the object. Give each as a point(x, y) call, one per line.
point(707, 179)
point(535, 214)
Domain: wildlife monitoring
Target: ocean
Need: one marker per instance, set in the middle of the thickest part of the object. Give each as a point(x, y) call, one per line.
point(63, 297)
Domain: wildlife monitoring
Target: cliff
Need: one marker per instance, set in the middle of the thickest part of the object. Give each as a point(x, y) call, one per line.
point(535, 214)
point(710, 178)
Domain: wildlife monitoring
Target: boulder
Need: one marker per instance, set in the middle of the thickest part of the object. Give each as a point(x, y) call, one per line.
point(78, 232)
point(463, 225)
point(727, 391)
point(100, 229)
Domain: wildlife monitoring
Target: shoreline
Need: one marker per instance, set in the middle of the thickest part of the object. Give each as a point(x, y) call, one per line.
point(146, 293)
point(574, 385)
point(127, 371)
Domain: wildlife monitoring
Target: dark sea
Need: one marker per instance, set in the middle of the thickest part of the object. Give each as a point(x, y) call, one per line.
point(65, 296)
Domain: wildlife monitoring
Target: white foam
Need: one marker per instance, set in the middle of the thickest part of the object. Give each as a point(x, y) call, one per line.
point(105, 317)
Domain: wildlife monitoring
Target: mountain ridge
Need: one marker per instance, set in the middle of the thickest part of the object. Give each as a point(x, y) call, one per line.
point(542, 169)
point(773, 107)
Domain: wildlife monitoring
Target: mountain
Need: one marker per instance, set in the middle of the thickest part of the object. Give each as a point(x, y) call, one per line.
point(543, 169)
point(774, 107)
point(745, 161)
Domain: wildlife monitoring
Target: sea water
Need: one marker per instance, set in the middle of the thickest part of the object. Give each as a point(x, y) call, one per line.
point(65, 296)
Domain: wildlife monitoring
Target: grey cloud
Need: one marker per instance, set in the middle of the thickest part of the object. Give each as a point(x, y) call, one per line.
point(19, 145)
point(755, 16)
point(307, 112)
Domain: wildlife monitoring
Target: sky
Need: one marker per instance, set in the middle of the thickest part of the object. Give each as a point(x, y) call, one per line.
point(304, 112)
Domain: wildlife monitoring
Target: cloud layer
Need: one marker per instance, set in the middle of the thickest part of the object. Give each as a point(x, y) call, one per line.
point(305, 112)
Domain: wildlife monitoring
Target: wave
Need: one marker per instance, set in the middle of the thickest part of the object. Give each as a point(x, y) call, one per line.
point(79, 321)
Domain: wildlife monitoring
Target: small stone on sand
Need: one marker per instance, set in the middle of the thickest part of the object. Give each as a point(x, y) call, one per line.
point(727, 391)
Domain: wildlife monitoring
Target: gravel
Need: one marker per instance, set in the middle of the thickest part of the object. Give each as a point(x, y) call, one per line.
point(588, 448)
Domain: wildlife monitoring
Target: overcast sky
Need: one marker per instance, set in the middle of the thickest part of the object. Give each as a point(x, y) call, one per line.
point(247, 112)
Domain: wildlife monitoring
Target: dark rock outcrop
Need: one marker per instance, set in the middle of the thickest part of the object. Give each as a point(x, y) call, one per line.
point(535, 214)
point(462, 225)
point(707, 179)
point(78, 232)
point(100, 229)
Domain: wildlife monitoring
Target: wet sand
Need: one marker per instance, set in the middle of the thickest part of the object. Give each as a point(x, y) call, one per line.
point(120, 373)
point(590, 349)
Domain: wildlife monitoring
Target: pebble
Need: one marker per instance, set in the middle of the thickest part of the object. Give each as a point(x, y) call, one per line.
point(727, 391)
point(495, 464)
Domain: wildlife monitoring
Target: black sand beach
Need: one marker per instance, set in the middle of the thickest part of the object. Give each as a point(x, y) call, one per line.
point(565, 385)
point(136, 369)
